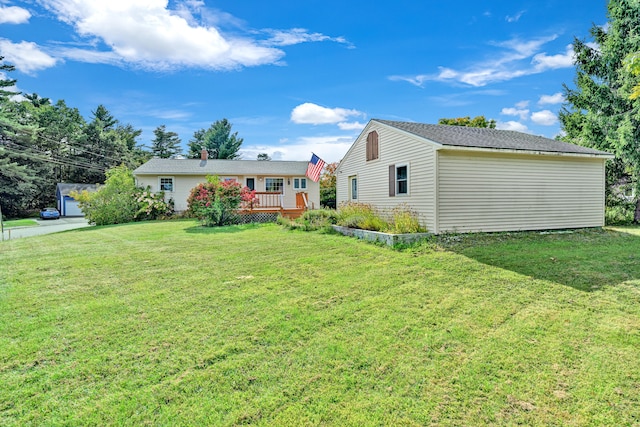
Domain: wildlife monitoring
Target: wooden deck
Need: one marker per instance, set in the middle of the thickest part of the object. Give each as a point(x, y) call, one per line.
point(272, 202)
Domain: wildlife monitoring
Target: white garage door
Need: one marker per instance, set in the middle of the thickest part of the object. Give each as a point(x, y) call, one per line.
point(71, 208)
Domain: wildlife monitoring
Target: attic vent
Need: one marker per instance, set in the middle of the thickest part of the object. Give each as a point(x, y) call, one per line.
point(372, 145)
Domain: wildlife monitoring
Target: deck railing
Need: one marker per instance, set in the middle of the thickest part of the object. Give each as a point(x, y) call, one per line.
point(269, 199)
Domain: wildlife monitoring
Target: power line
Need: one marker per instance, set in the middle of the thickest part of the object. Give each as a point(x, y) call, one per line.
point(70, 145)
point(63, 162)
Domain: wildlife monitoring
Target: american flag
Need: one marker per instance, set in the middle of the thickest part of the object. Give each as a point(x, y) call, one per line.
point(315, 168)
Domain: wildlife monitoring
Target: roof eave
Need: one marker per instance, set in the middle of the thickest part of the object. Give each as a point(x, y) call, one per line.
point(534, 152)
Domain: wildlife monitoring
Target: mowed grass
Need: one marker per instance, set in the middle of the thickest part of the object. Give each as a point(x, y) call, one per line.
point(20, 223)
point(167, 323)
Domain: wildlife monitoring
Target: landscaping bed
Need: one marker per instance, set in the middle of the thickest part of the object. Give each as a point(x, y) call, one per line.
point(389, 239)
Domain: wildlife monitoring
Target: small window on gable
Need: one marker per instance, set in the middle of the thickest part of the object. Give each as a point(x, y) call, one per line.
point(372, 146)
point(166, 184)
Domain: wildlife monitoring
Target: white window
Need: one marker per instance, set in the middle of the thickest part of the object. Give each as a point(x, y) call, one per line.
point(300, 183)
point(275, 185)
point(353, 187)
point(402, 179)
point(166, 184)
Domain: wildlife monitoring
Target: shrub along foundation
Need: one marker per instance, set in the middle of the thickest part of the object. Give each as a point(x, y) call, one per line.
point(377, 236)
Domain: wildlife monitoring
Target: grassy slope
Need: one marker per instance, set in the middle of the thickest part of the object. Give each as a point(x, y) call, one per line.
point(168, 323)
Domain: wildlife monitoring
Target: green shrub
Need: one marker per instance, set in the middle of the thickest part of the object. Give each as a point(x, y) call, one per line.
point(320, 216)
point(360, 215)
point(401, 219)
point(317, 219)
point(405, 220)
point(619, 214)
point(119, 201)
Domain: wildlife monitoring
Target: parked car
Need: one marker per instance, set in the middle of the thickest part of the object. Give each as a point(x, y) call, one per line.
point(49, 213)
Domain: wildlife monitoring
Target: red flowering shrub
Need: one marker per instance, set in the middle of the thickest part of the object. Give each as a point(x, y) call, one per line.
point(216, 202)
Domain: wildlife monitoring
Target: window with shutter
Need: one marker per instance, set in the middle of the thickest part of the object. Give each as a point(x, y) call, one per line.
point(398, 180)
point(402, 180)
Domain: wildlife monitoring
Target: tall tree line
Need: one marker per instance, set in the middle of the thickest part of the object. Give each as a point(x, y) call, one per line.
point(42, 144)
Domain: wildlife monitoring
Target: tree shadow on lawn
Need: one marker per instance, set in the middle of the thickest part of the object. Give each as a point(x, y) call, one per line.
point(585, 259)
point(201, 229)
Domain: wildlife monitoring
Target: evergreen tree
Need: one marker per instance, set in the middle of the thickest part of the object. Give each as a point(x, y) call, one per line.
point(18, 181)
point(165, 144)
point(599, 112)
point(6, 83)
point(106, 144)
point(218, 140)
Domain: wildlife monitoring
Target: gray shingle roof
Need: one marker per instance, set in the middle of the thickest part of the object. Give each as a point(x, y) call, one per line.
point(221, 167)
point(460, 136)
point(66, 188)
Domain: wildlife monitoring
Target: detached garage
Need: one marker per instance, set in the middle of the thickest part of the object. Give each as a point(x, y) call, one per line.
point(462, 179)
point(67, 205)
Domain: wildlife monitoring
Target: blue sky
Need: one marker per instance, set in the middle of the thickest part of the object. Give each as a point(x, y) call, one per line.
point(299, 76)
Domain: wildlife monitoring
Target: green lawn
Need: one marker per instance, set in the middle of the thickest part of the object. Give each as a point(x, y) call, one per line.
point(167, 323)
point(20, 223)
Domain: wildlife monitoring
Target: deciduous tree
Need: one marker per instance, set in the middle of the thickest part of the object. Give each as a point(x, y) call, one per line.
point(328, 185)
point(476, 122)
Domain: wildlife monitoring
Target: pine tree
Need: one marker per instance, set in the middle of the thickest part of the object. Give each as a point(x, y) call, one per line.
point(599, 112)
point(218, 140)
point(165, 144)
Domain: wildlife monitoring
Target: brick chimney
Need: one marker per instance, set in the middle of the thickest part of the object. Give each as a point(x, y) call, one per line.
point(204, 154)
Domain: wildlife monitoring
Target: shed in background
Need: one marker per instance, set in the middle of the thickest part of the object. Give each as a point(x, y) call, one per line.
point(67, 205)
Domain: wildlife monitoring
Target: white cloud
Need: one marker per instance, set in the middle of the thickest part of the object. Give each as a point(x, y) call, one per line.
point(522, 113)
point(14, 15)
point(522, 104)
point(309, 113)
point(512, 125)
point(543, 62)
point(544, 118)
point(297, 36)
point(556, 98)
point(150, 35)
point(26, 56)
point(517, 58)
point(516, 17)
point(146, 33)
point(351, 126)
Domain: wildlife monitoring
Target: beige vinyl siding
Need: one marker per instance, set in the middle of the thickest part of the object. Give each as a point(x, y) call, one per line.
point(499, 192)
point(182, 185)
point(394, 148)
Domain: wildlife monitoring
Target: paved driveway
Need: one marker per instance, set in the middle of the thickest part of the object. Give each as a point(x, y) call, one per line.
point(45, 227)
